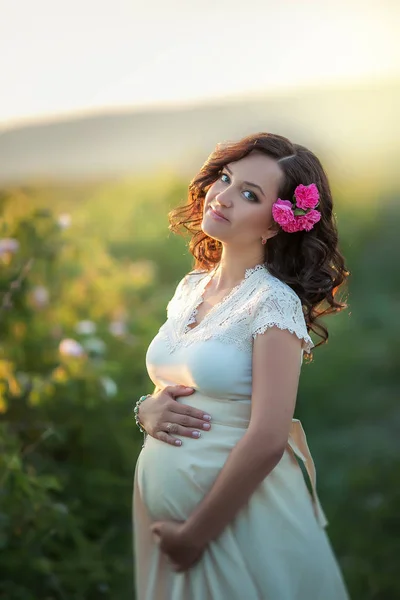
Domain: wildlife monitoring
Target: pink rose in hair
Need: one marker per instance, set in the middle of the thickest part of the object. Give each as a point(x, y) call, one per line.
point(307, 196)
point(308, 220)
point(282, 212)
point(293, 226)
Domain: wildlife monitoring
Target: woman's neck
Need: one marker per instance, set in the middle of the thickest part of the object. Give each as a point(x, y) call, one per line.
point(231, 270)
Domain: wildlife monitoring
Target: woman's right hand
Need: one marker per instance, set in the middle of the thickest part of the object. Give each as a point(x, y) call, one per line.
point(161, 415)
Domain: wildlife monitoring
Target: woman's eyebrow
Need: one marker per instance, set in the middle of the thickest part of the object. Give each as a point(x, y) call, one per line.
point(247, 182)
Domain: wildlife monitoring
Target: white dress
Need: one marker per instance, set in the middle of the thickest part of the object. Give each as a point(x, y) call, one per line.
point(276, 548)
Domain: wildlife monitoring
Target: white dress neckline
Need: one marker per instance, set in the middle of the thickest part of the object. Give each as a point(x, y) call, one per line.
point(202, 288)
point(259, 301)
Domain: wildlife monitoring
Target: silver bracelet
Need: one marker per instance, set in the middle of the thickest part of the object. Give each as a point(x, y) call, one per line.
point(136, 414)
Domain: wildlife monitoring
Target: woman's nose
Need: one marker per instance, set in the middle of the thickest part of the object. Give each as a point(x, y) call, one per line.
point(223, 198)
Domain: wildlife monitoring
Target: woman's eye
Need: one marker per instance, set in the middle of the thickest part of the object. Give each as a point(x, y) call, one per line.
point(224, 175)
point(253, 196)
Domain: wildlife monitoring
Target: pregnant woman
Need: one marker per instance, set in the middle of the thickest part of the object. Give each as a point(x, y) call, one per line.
point(222, 510)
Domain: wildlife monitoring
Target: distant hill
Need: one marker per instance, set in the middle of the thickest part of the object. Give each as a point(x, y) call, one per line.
point(352, 129)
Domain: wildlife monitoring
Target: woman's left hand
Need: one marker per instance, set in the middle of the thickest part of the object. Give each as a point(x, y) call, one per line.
point(181, 551)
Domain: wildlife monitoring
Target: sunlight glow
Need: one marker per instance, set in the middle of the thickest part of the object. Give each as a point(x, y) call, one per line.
point(84, 55)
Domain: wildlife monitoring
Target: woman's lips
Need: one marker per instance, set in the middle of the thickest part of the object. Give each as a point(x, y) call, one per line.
point(216, 215)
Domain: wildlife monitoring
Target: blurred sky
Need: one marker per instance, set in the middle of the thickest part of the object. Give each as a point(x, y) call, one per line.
point(69, 56)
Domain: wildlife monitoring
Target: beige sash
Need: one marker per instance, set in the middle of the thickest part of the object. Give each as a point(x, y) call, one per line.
point(298, 443)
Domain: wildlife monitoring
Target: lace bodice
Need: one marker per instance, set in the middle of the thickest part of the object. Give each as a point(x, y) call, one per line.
point(259, 301)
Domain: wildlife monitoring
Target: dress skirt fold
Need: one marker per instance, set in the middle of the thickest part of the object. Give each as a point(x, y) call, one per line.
point(275, 549)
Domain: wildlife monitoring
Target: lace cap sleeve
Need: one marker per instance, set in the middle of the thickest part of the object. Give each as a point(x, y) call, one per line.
point(281, 307)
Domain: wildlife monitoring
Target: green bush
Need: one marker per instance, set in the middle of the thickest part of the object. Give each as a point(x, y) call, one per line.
point(79, 306)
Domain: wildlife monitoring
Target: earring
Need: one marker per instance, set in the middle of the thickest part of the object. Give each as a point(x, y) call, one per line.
point(263, 240)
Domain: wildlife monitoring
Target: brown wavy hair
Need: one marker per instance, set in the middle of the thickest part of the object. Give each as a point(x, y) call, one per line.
point(308, 261)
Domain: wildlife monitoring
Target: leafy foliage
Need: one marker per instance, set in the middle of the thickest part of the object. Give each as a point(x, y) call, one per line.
point(82, 295)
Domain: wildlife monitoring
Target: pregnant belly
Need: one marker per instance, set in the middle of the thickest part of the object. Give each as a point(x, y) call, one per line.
point(172, 480)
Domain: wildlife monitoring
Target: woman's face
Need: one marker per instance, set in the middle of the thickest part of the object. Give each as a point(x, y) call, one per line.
point(247, 208)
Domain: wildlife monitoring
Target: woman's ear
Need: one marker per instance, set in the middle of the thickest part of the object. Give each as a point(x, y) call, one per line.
point(270, 232)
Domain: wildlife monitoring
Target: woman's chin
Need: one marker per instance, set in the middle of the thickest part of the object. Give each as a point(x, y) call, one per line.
point(213, 229)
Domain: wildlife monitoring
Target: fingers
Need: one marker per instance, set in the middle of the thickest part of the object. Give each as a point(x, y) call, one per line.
point(182, 431)
point(180, 419)
point(173, 427)
point(156, 537)
point(178, 390)
point(188, 424)
point(163, 436)
point(190, 417)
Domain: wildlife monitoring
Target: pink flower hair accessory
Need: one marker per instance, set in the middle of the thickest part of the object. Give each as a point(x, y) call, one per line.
point(298, 214)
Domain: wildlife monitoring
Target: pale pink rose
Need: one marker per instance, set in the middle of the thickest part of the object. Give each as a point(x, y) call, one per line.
point(118, 328)
point(9, 246)
point(40, 296)
point(70, 347)
point(282, 212)
point(64, 220)
point(307, 196)
point(308, 220)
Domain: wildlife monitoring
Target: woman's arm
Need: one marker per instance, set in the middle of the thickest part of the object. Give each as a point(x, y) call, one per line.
point(276, 371)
